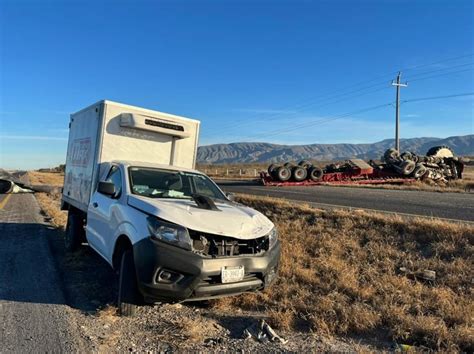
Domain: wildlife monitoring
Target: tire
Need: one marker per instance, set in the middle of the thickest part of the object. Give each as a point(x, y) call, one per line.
point(289, 165)
point(440, 151)
point(128, 295)
point(304, 164)
point(315, 173)
point(419, 171)
point(406, 167)
point(74, 232)
point(299, 173)
point(406, 156)
point(283, 173)
point(272, 168)
point(391, 156)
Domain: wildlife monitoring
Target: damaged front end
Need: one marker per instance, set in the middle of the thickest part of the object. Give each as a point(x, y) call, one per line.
point(214, 246)
point(178, 264)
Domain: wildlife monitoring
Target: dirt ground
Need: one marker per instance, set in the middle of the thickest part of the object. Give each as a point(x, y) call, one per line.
point(348, 282)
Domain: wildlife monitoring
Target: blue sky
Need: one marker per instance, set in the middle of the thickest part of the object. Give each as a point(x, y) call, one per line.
point(276, 71)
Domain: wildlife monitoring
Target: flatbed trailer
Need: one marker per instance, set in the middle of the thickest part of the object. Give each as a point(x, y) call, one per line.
point(359, 173)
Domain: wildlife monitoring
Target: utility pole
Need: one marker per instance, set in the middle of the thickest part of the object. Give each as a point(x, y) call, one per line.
point(398, 84)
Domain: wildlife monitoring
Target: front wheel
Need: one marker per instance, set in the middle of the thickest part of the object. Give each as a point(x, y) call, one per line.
point(128, 295)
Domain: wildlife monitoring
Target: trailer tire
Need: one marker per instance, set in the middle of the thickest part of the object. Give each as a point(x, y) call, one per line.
point(299, 173)
point(283, 173)
point(74, 232)
point(272, 168)
point(305, 164)
point(289, 165)
point(315, 173)
point(406, 167)
point(391, 156)
point(128, 295)
point(419, 171)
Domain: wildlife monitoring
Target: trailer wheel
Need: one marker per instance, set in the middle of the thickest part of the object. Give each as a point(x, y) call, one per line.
point(271, 168)
point(74, 232)
point(315, 173)
point(283, 173)
point(406, 167)
point(419, 171)
point(128, 296)
point(391, 156)
point(299, 173)
point(305, 164)
point(289, 165)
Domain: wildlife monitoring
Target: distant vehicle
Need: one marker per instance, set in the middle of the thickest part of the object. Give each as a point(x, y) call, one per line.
point(132, 192)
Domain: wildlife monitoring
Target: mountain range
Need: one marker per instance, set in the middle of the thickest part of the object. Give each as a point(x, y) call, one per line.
point(247, 152)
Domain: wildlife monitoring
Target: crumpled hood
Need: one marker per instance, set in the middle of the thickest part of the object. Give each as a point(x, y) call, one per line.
point(231, 220)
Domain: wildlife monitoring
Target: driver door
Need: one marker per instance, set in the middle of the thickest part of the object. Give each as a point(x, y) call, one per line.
point(100, 221)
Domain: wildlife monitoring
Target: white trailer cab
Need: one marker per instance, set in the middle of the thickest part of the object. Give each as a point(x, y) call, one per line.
point(132, 193)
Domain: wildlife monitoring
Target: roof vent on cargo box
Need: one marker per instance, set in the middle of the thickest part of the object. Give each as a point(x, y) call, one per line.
point(138, 121)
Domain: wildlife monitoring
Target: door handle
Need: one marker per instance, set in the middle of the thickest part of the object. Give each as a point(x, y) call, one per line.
point(95, 205)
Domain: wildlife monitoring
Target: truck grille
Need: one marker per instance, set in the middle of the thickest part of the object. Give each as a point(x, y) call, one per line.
point(223, 246)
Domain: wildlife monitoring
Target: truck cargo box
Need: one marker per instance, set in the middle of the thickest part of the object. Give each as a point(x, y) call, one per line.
point(108, 131)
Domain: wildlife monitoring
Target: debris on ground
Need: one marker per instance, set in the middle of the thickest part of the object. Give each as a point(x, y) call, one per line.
point(10, 187)
point(426, 274)
point(262, 332)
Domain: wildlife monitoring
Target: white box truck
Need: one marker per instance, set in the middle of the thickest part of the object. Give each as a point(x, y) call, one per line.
point(171, 233)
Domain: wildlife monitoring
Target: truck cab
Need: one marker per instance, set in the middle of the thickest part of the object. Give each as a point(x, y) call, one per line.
point(170, 232)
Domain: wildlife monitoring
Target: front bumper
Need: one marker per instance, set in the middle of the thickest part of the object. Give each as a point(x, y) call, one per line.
point(168, 273)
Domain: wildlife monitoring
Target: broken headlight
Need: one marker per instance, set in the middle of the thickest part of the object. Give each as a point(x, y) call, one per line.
point(170, 233)
point(272, 238)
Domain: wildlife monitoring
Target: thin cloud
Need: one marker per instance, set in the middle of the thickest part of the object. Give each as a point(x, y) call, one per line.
point(32, 137)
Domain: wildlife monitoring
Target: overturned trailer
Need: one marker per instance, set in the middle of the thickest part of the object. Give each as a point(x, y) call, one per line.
point(439, 164)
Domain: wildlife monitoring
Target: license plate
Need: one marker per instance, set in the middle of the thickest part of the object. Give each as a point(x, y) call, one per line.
point(232, 274)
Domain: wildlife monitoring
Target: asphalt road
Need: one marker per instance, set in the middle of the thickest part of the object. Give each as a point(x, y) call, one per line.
point(457, 206)
point(33, 312)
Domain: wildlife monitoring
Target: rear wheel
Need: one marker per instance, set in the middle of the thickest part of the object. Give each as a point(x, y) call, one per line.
point(299, 173)
point(271, 168)
point(315, 173)
point(283, 174)
point(305, 164)
point(128, 296)
point(289, 165)
point(406, 167)
point(419, 171)
point(74, 232)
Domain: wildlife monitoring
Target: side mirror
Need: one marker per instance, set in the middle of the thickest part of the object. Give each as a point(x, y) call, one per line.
point(107, 188)
point(230, 196)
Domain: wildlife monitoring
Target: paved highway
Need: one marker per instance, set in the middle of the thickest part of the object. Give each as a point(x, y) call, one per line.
point(34, 317)
point(457, 206)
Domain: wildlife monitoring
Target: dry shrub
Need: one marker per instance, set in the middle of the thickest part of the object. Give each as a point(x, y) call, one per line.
point(339, 273)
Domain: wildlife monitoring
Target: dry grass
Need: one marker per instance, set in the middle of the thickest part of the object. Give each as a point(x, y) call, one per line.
point(48, 178)
point(339, 274)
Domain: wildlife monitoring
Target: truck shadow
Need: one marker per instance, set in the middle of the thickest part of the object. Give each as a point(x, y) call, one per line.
point(35, 268)
point(89, 283)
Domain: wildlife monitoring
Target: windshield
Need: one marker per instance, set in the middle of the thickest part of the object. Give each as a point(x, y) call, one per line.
point(157, 183)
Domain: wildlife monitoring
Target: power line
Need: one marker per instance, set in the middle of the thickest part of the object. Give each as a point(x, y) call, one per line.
point(321, 121)
point(330, 96)
point(363, 110)
point(438, 97)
